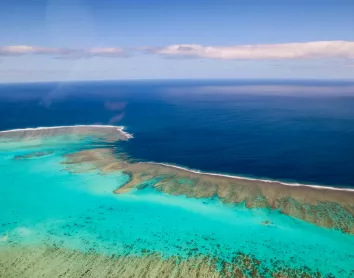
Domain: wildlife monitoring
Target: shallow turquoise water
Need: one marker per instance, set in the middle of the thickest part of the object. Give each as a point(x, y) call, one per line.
point(40, 202)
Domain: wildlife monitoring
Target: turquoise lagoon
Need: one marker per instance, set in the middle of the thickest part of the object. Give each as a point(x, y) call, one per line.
point(43, 203)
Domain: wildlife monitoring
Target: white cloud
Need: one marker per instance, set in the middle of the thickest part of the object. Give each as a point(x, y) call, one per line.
point(25, 49)
point(111, 51)
point(305, 50)
point(289, 51)
point(63, 53)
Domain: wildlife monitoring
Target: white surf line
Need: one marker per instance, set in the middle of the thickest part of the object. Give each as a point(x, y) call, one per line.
point(251, 179)
point(119, 128)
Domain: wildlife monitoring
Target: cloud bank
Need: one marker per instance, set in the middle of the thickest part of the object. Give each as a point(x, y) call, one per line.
point(306, 50)
point(61, 53)
point(284, 51)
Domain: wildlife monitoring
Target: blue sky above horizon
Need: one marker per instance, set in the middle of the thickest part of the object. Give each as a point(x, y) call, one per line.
point(51, 40)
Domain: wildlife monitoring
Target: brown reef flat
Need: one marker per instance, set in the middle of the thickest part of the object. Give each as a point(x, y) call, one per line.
point(323, 207)
point(108, 133)
point(48, 262)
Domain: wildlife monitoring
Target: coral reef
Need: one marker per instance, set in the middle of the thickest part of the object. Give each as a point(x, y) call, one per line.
point(322, 206)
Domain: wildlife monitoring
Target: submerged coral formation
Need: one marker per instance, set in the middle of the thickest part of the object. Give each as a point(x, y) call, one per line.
point(94, 211)
point(321, 206)
point(58, 262)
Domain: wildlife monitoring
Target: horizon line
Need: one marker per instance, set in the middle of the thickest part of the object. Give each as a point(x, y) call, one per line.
point(325, 80)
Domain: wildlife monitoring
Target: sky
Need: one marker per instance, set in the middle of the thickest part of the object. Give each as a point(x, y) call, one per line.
point(67, 40)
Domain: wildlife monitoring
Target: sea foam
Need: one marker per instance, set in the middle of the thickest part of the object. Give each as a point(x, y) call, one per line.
point(250, 179)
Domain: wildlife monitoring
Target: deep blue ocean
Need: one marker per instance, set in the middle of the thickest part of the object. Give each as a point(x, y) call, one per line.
point(283, 130)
